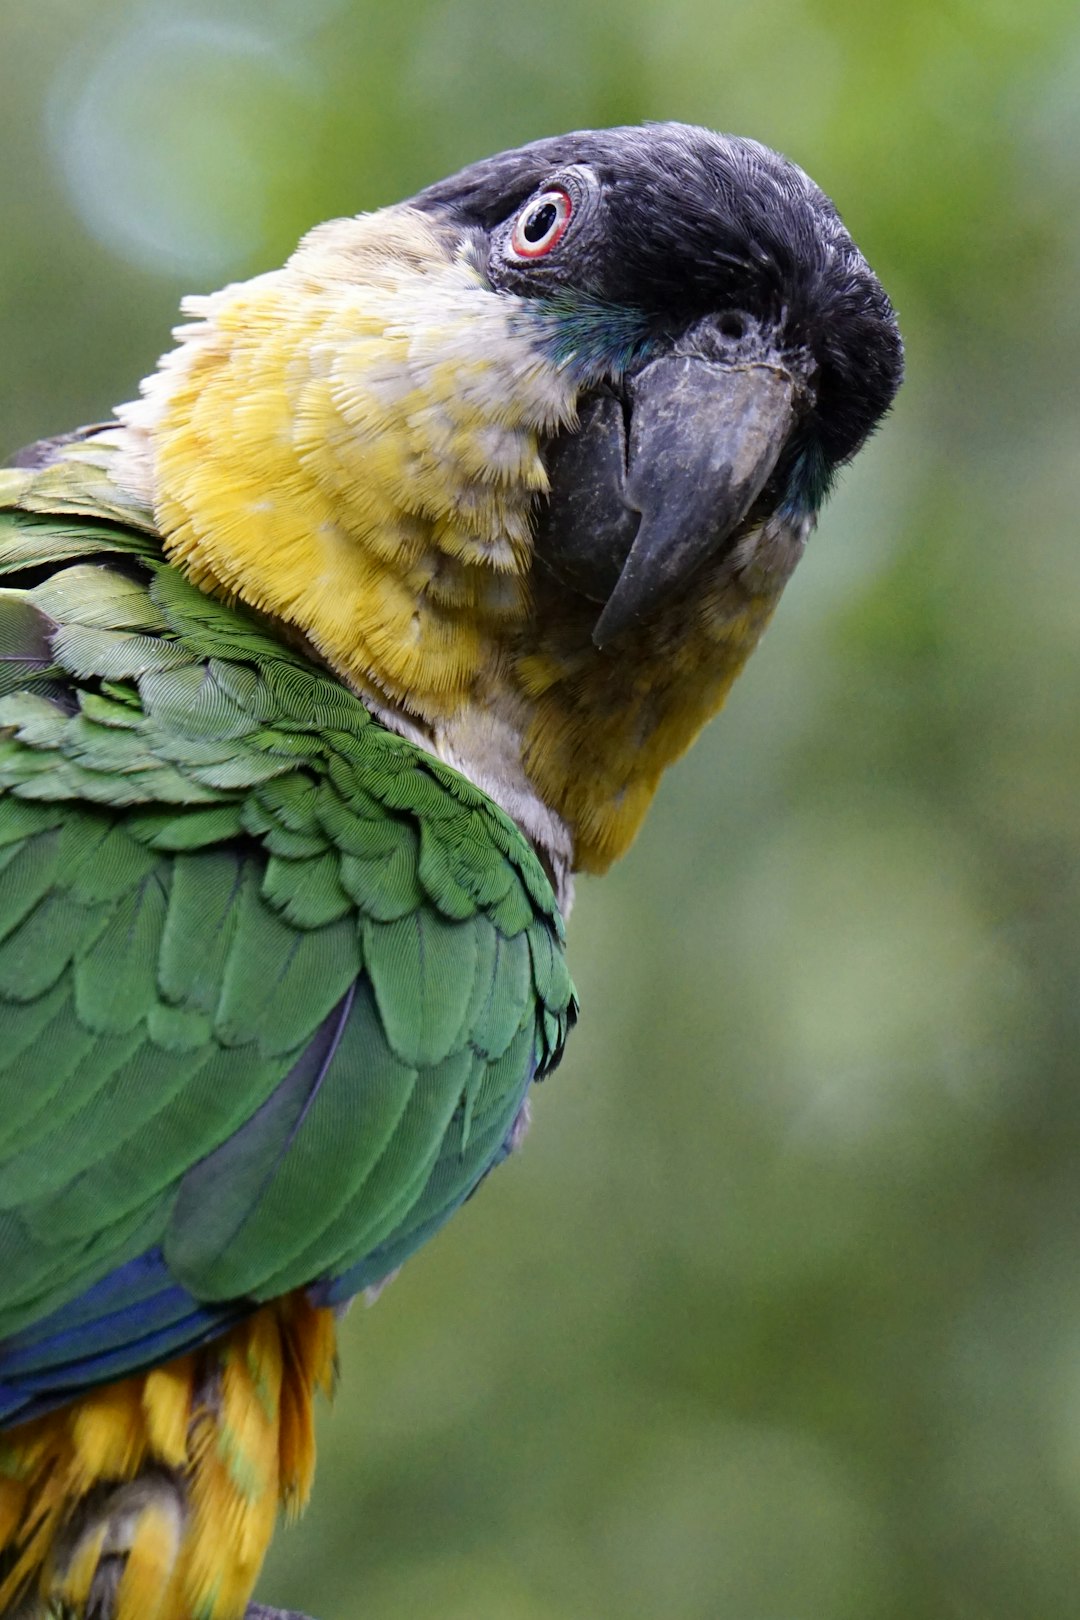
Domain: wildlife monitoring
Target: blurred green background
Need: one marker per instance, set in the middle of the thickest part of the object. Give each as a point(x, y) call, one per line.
point(778, 1316)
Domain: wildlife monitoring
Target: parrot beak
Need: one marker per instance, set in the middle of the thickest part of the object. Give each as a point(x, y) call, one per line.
point(703, 439)
point(652, 483)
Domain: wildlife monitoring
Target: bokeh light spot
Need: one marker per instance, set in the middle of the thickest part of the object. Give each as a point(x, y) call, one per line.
point(174, 136)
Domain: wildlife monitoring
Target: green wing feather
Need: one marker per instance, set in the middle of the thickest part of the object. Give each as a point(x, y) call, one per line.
point(215, 868)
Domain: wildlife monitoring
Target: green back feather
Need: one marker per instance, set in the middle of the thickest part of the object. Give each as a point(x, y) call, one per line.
point(209, 852)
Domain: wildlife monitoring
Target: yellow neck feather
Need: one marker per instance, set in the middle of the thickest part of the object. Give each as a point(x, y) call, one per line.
point(351, 445)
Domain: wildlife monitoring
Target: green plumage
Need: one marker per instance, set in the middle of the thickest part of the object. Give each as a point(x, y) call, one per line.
point(220, 877)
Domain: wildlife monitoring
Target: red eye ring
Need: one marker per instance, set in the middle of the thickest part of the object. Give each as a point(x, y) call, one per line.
point(542, 224)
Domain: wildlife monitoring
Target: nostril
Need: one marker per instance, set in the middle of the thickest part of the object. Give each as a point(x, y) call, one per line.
point(732, 325)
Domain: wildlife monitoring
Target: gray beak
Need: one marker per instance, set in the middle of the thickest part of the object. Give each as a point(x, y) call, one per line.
point(633, 514)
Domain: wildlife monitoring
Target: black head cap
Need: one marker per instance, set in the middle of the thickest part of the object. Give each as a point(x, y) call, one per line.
point(691, 223)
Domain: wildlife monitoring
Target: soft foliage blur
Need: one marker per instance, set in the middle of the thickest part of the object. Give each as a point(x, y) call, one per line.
point(778, 1316)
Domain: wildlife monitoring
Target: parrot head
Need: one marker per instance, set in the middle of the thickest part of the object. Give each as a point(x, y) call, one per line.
point(528, 458)
point(732, 346)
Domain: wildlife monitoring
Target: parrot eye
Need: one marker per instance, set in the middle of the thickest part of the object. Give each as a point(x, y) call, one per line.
point(541, 224)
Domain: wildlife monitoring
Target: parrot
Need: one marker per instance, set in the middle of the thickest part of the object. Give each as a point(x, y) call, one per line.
point(326, 664)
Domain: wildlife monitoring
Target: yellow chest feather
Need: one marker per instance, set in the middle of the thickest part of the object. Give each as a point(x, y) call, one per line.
point(351, 445)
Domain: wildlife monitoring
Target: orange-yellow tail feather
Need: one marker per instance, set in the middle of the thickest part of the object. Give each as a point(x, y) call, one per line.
point(199, 1455)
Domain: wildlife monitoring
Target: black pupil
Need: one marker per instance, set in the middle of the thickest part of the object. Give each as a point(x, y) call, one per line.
point(539, 222)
